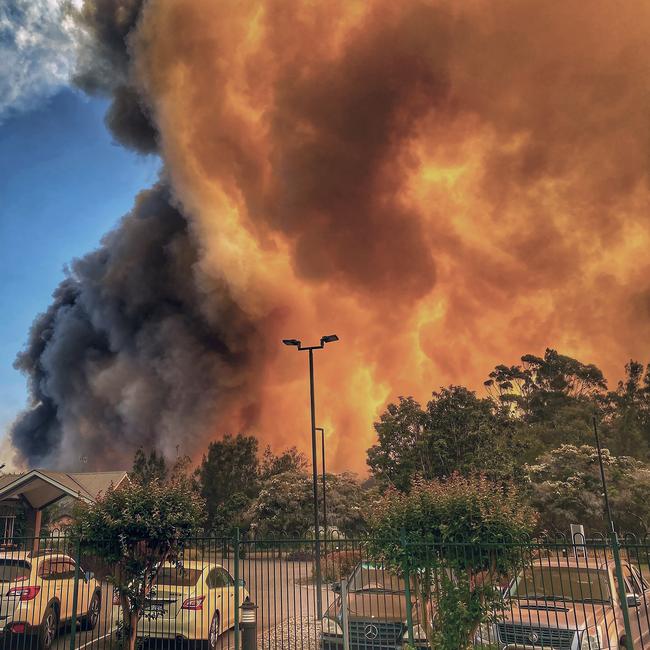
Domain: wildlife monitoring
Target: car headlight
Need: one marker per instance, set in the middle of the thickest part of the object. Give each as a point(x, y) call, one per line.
point(486, 634)
point(332, 627)
point(592, 639)
point(418, 634)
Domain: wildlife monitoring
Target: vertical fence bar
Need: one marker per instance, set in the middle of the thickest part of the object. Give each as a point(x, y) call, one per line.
point(75, 596)
point(622, 593)
point(344, 615)
point(236, 612)
point(407, 591)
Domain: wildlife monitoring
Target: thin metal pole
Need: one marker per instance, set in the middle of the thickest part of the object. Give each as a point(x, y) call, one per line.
point(314, 464)
point(622, 594)
point(608, 510)
point(236, 572)
point(322, 437)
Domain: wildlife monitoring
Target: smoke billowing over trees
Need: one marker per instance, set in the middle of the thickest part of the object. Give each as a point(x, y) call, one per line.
point(441, 184)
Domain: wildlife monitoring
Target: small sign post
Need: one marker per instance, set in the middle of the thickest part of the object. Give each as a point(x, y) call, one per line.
point(578, 541)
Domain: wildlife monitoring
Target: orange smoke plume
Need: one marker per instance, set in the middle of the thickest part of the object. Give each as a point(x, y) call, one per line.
point(444, 185)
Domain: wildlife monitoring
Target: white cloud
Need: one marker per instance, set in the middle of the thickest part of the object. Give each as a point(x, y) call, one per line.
point(38, 46)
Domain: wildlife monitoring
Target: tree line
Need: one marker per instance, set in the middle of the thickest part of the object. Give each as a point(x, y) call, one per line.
point(261, 493)
point(533, 427)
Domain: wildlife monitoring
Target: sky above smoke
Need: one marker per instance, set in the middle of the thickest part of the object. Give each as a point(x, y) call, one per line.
point(444, 185)
point(38, 50)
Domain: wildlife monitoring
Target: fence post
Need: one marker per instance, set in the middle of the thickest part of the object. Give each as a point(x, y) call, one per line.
point(407, 590)
point(237, 631)
point(75, 596)
point(345, 625)
point(622, 593)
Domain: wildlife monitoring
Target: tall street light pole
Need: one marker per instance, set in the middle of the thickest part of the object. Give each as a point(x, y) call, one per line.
point(310, 348)
point(322, 456)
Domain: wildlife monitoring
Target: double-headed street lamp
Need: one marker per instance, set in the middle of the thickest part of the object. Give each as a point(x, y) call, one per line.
point(310, 348)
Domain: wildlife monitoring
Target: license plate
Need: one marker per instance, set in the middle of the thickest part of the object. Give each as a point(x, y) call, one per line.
point(154, 611)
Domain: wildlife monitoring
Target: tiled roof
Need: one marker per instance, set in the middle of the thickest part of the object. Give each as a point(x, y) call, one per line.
point(94, 483)
point(5, 479)
point(85, 485)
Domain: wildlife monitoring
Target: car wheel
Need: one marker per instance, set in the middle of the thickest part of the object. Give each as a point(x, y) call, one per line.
point(92, 616)
point(213, 634)
point(49, 628)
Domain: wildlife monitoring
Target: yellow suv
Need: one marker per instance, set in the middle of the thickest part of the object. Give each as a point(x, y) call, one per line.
point(38, 593)
point(194, 602)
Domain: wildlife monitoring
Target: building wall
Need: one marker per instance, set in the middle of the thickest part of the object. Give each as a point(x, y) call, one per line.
point(24, 519)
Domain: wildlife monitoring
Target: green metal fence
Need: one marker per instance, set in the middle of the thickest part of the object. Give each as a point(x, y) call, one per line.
point(544, 594)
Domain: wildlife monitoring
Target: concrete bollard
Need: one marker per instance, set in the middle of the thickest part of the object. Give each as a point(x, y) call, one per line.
point(248, 622)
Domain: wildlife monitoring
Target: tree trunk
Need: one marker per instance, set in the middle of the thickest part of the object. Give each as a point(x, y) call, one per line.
point(133, 631)
point(130, 621)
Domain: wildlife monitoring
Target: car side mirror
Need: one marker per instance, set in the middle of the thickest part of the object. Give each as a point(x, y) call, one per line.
point(336, 587)
point(633, 600)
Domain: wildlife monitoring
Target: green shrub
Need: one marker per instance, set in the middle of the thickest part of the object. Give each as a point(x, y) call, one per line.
point(458, 536)
point(338, 565)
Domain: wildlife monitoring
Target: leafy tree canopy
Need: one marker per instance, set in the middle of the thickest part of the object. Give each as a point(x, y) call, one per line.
point(565, 487)
point(626, 425)
point(539, 386)
point(458, 432)
point(148, 468)
point(289, 460)
point(348, 504)
point(228, 479)
point(532, 408)
point(135, 529)
point(283, 507)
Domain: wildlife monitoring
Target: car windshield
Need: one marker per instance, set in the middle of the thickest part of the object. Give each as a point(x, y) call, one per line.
point(565, 583)
point(173, 576)
point(374, 578)
point(14, 570)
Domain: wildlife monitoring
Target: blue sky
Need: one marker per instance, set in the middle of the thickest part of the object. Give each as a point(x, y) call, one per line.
point(63, 184)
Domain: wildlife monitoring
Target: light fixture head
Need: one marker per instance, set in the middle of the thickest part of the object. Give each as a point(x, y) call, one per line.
point(330, 338)
point(295, 342)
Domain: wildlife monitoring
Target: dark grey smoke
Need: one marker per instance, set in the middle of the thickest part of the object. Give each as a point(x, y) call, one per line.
point(131, 351)
point(129, 122)
point(103, 68)
point(130, 354)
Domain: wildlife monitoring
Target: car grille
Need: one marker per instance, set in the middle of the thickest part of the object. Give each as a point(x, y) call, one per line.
point(560, 639)
point(375, 635)
point(331, 645)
